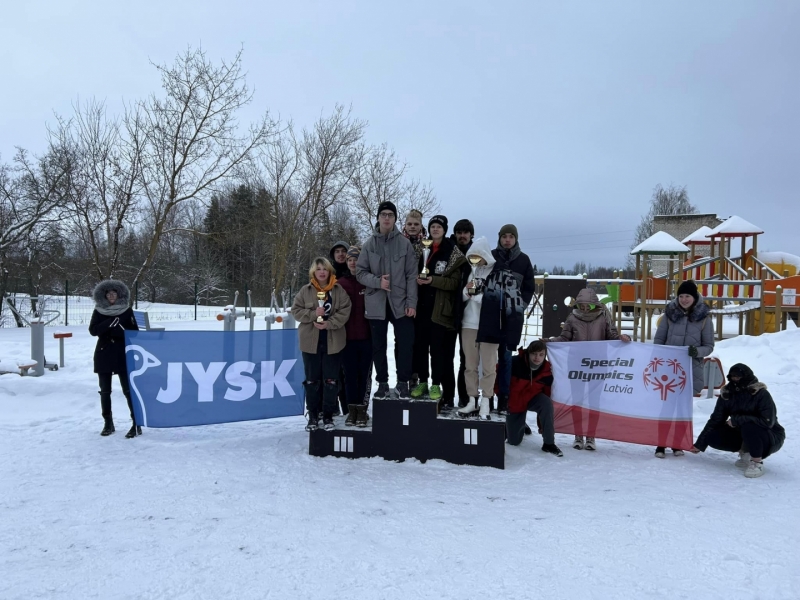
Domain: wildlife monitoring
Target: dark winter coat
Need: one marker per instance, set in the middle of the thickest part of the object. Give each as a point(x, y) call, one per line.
point(357, 326)
point(747, 401)
point(591, 326)
point(693, 328)
point(527, 383)
point(109, 353)
point(439, 300)
point(392, 255)
point(509, 289)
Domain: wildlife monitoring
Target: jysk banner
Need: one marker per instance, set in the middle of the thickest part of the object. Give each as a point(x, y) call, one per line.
point(180, 378)
point(639, 393)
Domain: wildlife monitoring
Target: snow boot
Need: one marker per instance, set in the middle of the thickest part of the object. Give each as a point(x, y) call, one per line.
point(552, 449)
point(754, 469)
point(470, 408)
point(132, 432)
point(352, 415)
point(362, 417)
point(382, 393)
point(484, 410)
point(590, 445)
point(108, 427)
point(578, 442)
point(420, 390)
point(661, 452)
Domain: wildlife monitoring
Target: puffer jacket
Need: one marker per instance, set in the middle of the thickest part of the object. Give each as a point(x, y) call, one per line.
point(391, 255)
point(592, 326)
point(439, 298)
point(693, 328)
point(337, 311)
point(472, 303)
point(526, 382)
point(109, 353)
point(748, 401)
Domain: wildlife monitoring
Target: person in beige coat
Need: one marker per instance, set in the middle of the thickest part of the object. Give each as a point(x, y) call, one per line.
point(590, 321)
point(322, 338)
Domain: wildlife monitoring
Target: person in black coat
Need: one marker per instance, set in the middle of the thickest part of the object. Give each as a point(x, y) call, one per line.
point(111, 317)
point(745, 420)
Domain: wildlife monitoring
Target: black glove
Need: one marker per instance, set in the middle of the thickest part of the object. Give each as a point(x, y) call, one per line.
point(693, 351)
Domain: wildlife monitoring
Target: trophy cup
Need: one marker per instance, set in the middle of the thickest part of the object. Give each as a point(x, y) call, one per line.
point(426, 252)
point(474, 261)
point(321, 300)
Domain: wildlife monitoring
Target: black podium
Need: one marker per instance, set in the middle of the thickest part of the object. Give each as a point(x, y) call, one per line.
point(401, 429)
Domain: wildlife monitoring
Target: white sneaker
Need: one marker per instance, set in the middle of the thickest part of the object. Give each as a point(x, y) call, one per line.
point(470, 407)
point(578, 443)
point(590, 445)
point(660, 453)
point(677, 452)
point(485, 408)
point(744, 460)
point(754, 469)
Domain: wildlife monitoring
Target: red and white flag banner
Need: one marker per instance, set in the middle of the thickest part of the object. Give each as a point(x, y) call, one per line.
point(630, 392)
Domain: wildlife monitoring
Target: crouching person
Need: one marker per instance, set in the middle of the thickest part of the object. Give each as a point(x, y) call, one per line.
point(744, 420)
point(531, 379)
point(321, 308)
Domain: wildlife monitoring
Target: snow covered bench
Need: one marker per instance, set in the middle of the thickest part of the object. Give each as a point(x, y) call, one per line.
point(15, 367)
point(143, 321)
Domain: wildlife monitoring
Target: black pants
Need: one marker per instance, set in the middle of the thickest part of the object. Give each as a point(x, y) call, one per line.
point(461, 383)
point(105, 393)
point(357, 363)
point(542, 405)
point(758, 441)
point(436, 344)
point(403, 343)
point(322, 383)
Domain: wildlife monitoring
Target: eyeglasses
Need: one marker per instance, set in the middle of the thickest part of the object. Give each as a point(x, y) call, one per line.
point(386, 215)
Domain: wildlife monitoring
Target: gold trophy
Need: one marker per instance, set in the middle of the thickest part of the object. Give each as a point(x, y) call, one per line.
point(426, 252)
point(321, 300)
point(474, 261)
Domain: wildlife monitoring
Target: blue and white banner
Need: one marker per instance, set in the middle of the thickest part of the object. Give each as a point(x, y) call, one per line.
point(181, 378)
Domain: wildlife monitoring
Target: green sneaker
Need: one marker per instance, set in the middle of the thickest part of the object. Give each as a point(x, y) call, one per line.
point(436, 392)
point(420, 390)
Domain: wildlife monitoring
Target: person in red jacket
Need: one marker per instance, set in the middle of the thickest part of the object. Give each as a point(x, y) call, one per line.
point(531, 379)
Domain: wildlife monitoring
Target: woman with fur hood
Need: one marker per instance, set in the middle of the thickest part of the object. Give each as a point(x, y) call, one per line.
point(744, 420)
point(686, 323)
point(111, 317)
point(589, 321)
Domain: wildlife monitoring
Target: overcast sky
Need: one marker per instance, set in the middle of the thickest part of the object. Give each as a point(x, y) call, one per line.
point(560, 117)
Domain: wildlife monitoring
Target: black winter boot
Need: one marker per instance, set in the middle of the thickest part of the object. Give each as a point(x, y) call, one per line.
point(362, 418)
point(132, 432)
point(352, 411)
point(108, 427)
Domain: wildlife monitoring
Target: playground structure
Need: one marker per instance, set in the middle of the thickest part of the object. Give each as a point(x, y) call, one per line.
point(274, 314)
point(758, 288)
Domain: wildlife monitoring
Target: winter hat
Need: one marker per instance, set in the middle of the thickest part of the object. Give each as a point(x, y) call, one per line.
point(465, 225)
point(689, 287)
point(353, 252)
point(747, 377)
point(440, 219)
point(386, 205)
point(512, 229)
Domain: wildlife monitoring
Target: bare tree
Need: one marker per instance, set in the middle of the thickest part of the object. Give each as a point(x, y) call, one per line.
point(192, 138)
point(670, 201)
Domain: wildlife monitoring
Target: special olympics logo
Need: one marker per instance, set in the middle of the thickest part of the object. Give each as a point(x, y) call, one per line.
point(664, 376)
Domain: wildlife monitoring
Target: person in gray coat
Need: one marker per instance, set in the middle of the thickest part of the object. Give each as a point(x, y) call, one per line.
point(686, 323)
point(387, 266)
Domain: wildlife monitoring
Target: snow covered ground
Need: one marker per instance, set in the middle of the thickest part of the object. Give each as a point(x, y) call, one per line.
point(241, 510)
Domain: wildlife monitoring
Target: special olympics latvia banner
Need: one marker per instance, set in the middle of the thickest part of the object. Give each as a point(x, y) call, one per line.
point(624, 391)
point(180, 378)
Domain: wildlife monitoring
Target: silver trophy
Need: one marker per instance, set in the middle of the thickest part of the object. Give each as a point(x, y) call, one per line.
point(474, 261)
point(426, 252)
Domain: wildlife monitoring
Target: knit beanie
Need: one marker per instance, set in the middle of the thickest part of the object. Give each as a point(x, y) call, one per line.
point(440, 219)
point(689, 287)
point(387, 205)
point(512, 229)
point(464, 225)
point(353, 252)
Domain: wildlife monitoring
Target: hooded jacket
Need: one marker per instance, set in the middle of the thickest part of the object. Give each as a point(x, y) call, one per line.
point(509, 289)
point(340, 269)
point(693, 328)
point(109, 353)
point(746, 401)
point(592, 326)
point(392, 255)
point(472, 303)
point(439, 298)
point(526, 382)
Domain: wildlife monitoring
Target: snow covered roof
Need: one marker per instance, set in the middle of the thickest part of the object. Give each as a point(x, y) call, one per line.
point(699, 237)
point(660, 243)
point(735, 227)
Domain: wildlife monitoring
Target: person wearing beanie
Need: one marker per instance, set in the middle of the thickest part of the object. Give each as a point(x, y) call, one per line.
point(685, 322)
point(387, 267)
point(509, 290)
point(745, 420)
point(357, 353)
point(112, 315)
point(438, 316)
point(463, 234)
point(338, 257)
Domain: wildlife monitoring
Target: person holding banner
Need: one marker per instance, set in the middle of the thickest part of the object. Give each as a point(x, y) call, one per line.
point(685, 323)
point(321, 308)
point(589, 321)
point(531, 379)
point(111, 317)
point(745, 420)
